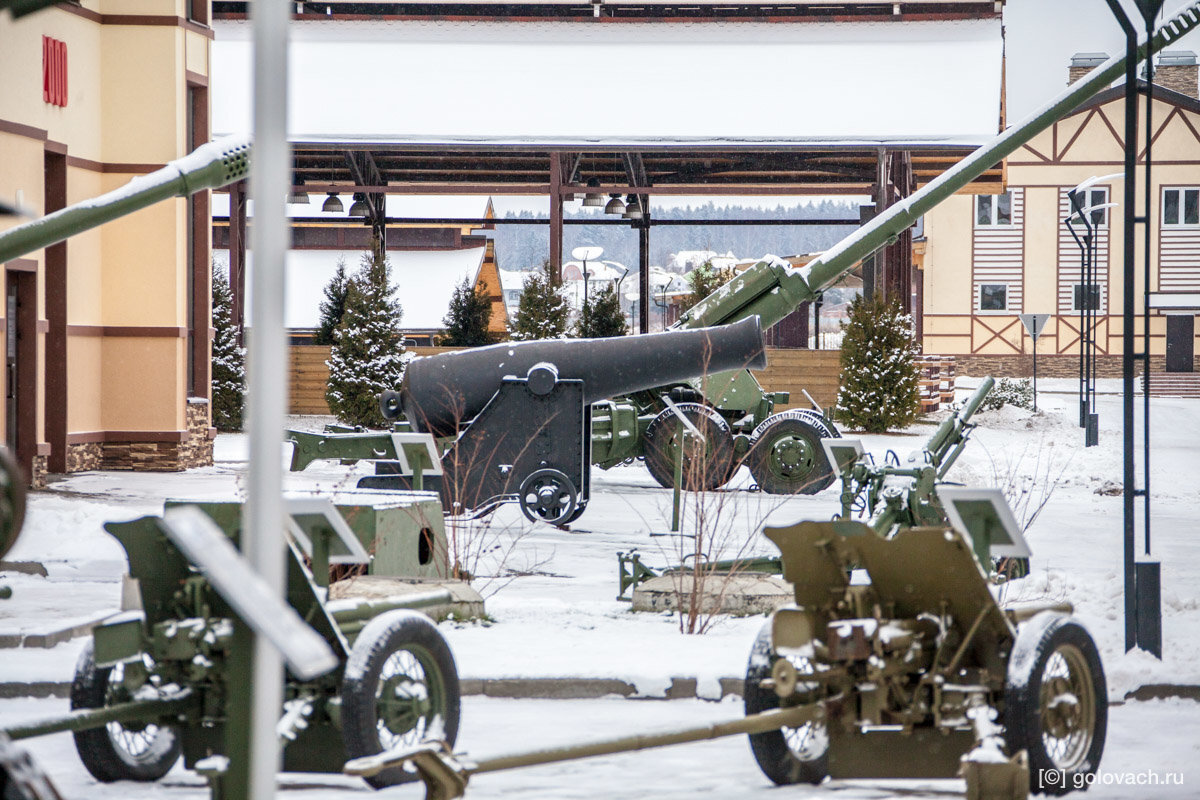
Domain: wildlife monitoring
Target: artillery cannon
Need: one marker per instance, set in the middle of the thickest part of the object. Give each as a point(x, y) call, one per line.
point(516, 421)
point(169, 676)
point(895, 660)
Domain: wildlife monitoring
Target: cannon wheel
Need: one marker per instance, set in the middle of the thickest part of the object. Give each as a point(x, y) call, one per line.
point(1056, 703)
point(400, 688)
point(549, 496)
point(786, 456)
point(118, 751)
point(788, 755)
point(718, 448)
point(12, 501)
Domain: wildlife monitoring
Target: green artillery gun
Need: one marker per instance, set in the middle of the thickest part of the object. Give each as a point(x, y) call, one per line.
point(895, 660)
point(170, 676)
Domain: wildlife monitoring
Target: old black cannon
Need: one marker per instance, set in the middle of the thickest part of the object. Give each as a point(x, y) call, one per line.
point(515, 419)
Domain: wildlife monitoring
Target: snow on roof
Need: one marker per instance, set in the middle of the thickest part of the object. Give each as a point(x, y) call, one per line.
point(439, 82)
point(425, 281)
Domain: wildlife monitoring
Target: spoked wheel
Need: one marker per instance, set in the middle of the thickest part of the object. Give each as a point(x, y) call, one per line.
point(400, 688)
point(549, 496)
point(12, 501)
point(118, 751)
point(788, 755)
point(786, 456)
point(1056, 703)
point(702, 470)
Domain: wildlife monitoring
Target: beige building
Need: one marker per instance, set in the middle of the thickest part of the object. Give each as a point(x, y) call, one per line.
point(107, 334)
point(988, 258)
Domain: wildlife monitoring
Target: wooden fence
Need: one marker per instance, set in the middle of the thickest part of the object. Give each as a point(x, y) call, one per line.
point(787, 371)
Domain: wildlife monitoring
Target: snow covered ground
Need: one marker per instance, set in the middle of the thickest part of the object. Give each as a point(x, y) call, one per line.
point(554, 613)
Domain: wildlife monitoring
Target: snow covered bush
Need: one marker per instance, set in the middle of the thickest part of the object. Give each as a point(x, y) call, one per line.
point(334, 304)
point(703, 281)
point(367, 357)
point(228, 359)
point(543, 309)
point(602, 317)
point(1008, 392)
point(468, 317)
point(879, 383)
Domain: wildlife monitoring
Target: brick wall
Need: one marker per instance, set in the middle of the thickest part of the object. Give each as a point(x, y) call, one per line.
point(1049, 366)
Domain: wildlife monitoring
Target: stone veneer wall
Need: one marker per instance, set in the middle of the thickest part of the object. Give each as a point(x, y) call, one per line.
point(38, 479)
point(195, 451)
point(1049, 366)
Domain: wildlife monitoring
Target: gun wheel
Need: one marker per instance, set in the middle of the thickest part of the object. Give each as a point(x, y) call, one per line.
point(702, 471)
point(400, 688)
point(788, 755)
point(549, 496)
point(1056, 703)
point(118, 751)
point(12, 501)
point(786, 456)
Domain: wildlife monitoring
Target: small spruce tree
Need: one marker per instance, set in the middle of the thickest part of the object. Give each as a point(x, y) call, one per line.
point(543, 309)
point(228, 359)
point(367, 356)
point(334, 304)
point(879, 388)
point(704, 280)
point(468, 317)
point(602, 316)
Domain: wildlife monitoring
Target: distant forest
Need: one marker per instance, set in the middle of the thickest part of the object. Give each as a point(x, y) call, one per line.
point(520, 247)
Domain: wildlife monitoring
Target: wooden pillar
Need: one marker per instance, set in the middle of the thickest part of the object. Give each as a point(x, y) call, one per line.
point(55, 398)
point(237, 254)
point(556, 219)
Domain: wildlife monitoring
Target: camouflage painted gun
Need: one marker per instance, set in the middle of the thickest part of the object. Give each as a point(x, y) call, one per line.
point(170, 676)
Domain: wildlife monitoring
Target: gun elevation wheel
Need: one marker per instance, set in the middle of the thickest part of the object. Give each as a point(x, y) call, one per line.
point(400, 687)
point(702, 471)
point(788, 755)
point(1056, 703)
point(786, 456)
point(549, 496)
point(118, 751)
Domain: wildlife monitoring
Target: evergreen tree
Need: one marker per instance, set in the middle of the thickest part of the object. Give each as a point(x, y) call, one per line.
point(602, 316)
point(367, 356)
point(334, 304)
point(542, 312)
point(879, 390)
point(468, 318)
point(228, 359)
point(703, 281)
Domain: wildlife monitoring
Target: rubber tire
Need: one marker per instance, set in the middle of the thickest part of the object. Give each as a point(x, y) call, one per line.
point(12, 501)
point(386, 634)
point(775, 758)
point(1037, 640)
point(659, 446)
point(770, 430)
point(101, 756)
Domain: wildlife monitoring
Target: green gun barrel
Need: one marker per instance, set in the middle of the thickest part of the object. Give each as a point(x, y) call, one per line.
point(209, 166)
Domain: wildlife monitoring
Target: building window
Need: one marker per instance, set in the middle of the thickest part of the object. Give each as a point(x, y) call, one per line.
point(991, 210)
point(1181, 207)
point(1092, 198)
point(993, 297)
point(1085, 298)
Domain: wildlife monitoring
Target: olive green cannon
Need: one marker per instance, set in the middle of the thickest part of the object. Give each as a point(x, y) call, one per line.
point(894, 660)
point(167, 677)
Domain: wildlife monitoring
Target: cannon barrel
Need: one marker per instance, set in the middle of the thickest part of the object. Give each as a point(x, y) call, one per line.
point(209, 166)
point(440, 393)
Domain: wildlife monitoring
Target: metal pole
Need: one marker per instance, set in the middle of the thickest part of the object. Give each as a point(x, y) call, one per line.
point(1034, 374)
point(267, 390)
point(1130, 248)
